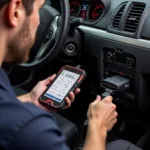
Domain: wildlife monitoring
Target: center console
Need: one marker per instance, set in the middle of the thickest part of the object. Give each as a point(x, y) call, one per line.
point(116, 62)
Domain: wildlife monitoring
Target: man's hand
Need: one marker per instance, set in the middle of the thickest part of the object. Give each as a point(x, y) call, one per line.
point(37, 91)
point(103, 113)
point(102, 116)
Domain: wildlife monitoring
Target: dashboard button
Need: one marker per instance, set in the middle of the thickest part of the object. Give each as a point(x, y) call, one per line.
point(130, 62)
point(48, 35)
point(109, 56)
point(107, 73)
point(70, 48)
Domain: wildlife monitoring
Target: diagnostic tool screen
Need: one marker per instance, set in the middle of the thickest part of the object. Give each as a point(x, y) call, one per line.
point(62, 85)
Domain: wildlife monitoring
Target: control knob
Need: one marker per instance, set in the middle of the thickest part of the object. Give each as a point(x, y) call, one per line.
point(109, 56)
point(130, 62)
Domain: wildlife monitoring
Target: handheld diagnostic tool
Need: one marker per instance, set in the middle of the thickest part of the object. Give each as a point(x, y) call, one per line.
point(66, 81)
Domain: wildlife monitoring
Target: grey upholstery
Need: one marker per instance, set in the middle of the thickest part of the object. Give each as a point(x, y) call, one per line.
point(122, 145)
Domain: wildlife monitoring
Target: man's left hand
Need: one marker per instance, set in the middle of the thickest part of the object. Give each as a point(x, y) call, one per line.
point(40, 88)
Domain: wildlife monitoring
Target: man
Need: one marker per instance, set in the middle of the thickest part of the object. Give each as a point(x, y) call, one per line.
point(34, 128)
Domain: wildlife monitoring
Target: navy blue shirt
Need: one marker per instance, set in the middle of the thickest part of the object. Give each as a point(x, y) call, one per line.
point(24, 126)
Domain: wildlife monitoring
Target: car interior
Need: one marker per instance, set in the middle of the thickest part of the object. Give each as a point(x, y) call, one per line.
point(110, 40)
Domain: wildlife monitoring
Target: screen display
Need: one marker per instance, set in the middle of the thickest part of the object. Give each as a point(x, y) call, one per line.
point(83, 11)
point(121, 58)
point(62, 85)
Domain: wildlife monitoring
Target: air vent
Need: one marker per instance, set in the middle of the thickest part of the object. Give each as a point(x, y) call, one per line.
point(118, 16)
point(134, 17)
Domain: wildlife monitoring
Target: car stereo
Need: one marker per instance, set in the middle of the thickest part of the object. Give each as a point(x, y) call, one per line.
point(116, 62)
point(119, 57)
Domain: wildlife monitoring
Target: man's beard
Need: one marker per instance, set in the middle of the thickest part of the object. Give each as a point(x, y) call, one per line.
point(20, 45)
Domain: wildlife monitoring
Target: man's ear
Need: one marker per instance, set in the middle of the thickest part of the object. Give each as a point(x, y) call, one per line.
point(14, 12)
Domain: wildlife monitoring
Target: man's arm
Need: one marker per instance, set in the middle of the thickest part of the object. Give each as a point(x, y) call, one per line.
point(96, 138)
point(25, 98)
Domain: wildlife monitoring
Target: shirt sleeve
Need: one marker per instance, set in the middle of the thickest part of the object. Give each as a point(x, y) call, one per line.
point(41, 133)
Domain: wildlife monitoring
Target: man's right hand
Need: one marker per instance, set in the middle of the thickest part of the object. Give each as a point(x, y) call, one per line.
point(102, 116)
point(102, 113)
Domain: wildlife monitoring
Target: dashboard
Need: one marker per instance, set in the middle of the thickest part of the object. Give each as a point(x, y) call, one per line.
point(116, 40)
point(88, 10)
point(119, 44)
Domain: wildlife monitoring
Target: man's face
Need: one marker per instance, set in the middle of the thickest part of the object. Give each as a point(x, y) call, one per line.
point(19, 47)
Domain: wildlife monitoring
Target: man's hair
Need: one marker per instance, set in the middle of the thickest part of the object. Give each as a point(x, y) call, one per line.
point(28, 5)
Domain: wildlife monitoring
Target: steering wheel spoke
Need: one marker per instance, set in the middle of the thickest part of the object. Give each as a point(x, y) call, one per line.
point(48, 39)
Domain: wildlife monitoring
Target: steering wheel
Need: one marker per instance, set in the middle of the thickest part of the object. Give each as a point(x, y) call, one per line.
point(53, 30)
